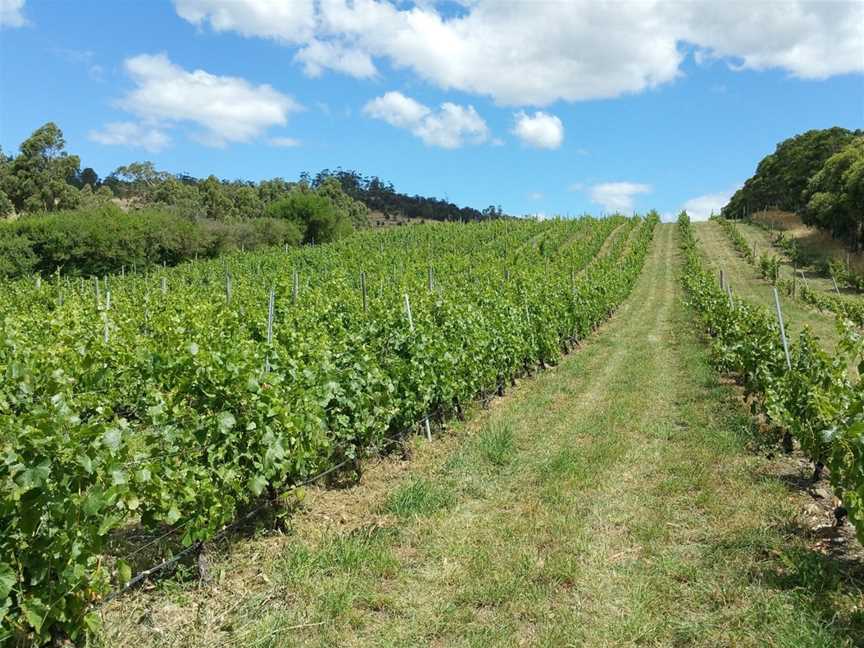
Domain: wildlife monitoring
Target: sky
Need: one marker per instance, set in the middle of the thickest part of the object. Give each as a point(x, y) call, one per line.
point(552, 108)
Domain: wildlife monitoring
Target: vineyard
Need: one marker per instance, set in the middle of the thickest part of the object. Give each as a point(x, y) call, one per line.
point(849, 308)
point(144, 413)
point(798, 386)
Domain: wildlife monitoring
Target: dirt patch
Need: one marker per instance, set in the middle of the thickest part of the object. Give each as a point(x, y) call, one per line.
point(818, 503)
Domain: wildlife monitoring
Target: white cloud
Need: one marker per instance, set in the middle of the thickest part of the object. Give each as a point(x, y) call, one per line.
point(284, 142)
point(131, 134)
point(810, 39)
point(617, 196)
point(396, 109)
point(228, 109)
point(292, 22)
point(536, 195)
point(540, 131)
point(533, 53)
point(701, 207)
point(448, 127)
point(320, 55)
point(11, 14)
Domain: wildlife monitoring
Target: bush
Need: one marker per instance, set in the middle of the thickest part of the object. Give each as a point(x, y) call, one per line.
point(317, 217)
point(104, 239)
point(16, 255)
point(6, 207)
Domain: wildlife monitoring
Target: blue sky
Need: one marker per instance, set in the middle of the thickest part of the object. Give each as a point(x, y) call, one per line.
point(541, 107)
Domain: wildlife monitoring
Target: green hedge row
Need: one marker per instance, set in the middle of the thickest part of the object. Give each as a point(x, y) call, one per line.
point(103, 240)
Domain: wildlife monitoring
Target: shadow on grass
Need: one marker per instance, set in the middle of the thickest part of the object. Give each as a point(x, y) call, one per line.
point(821, 583)
point(795, 479)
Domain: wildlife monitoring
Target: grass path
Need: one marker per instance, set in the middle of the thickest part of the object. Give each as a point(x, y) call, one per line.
point(747, 282)
point(609, 501)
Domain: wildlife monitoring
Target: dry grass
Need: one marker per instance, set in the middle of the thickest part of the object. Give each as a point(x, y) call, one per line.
point(379, 219)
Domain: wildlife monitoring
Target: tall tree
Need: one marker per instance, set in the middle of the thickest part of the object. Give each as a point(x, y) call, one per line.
point(835, 195)
point(37, 179)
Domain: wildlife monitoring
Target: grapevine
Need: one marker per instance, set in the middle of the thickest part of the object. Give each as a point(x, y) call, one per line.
point(171, 402)
point(814, 399)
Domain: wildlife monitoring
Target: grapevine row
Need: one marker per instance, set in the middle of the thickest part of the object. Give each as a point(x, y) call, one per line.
point(811, 396)
point(192, 395)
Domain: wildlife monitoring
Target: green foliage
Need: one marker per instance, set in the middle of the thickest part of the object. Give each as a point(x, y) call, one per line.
point(6, 206)
point(379, 195)
point(43, 177)
point(783, 176)
point(17, 257)
point(420, 497)
point(103, 239)
point(137, 179)
point(769, 267)
point(171, 409)
point(835, 195)
point(496, 444)
point(815, 399)
point(177, 197)
point(357, 212)
point(315, 214)
point(738, 240)
point(37, 179)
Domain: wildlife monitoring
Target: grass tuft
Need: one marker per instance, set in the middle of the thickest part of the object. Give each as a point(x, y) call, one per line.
point(497, 444)
point(420, 497)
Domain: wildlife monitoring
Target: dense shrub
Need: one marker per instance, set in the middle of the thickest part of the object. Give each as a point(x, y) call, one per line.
point(316, 216)
point(104, 239)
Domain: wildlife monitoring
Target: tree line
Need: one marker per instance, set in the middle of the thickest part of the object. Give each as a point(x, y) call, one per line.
point(60, 216)
point(818, 175)
point(43, 177)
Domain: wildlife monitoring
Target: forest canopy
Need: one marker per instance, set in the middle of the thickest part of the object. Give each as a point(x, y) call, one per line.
point(819, 175)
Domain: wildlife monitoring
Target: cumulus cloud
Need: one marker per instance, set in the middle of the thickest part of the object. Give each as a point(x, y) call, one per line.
point(812, 40)
point(11, 14)
point(541, 130)
point(291, 22)
point(226, 109)
point(448, 127)
point(701, 207)
point(320, 55)
point(617, 196)
point(573, 51)
point(397, 109)
point(131, 134)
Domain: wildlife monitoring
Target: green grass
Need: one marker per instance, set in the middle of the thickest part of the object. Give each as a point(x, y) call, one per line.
point(747, 282)
point(420, 497)
point(609, 501)
point(496, 443)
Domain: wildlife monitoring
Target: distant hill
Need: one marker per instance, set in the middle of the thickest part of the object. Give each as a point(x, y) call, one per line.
point(381, 197)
